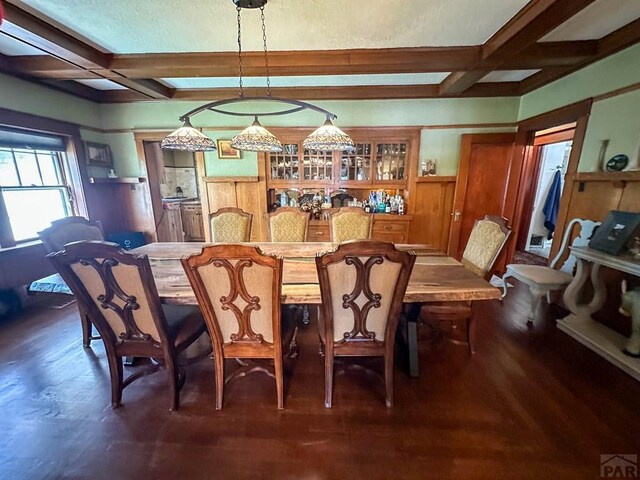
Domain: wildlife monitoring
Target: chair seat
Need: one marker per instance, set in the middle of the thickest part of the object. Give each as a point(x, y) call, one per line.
point(185, 324)
point(539, 275)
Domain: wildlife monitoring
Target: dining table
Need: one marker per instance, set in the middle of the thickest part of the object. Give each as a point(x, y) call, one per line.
point(436, 277)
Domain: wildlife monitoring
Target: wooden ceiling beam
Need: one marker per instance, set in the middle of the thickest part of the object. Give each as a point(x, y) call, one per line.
point(294, 63)
point(77, 54)
point(608, 45)
point(365, 92)
point(535, 20)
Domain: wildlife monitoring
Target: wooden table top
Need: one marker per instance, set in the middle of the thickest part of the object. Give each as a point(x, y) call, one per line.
point(435, 277)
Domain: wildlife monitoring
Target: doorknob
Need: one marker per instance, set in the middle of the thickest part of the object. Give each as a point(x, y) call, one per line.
point(456, 215)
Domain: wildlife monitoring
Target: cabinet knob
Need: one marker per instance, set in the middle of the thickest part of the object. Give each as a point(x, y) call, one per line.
point(319, 233)
point(387, 227)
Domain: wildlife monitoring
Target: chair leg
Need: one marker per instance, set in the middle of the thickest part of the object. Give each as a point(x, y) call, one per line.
point(328, 378)
point(174, 384)
point(87, 329)
point(505, 288)
point(471, 334)
point(116, 374)
point(388, 379)
point(536, 297)
point(219, 362)
point(277, 362)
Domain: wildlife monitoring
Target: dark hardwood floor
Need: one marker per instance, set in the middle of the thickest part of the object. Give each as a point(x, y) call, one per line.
point(531, 404)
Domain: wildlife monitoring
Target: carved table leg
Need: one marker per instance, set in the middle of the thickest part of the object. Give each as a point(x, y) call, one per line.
point(504, 283)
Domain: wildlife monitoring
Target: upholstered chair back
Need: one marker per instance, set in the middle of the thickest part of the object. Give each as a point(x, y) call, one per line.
point(230, 225)
point(362, 286)
point(486, 241)
point(67, 230)
point(238, 290)
point(116, 288)
point(288, 224)
point(350, 224)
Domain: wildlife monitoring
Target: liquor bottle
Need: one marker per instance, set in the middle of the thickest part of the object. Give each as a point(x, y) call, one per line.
point(387, 206)
point(401, 206)
point(367, 208)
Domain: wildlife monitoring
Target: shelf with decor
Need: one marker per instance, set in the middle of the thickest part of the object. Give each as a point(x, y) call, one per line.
point(116, 180)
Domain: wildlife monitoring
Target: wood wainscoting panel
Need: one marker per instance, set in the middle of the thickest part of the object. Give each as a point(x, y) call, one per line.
point(433, 204)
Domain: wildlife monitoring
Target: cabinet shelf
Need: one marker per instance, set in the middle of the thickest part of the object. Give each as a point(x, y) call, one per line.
point(116, 180)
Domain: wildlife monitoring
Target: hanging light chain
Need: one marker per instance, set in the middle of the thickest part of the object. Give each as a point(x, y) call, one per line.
point(266, 56)
point(241, 92)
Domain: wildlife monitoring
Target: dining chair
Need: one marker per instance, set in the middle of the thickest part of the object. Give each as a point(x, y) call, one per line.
point(118, 291)
point(350, 223)
point(67, 230)
point(487, 240)
point(543, 280)
point(362, 287)
point(239, 289)
point(288, 224)
point(230, 225)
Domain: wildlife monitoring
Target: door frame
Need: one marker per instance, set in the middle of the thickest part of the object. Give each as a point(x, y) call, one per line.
point(466, 143)
point(576, 112)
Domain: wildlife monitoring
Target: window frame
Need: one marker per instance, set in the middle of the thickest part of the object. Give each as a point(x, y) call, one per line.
point(73, 171)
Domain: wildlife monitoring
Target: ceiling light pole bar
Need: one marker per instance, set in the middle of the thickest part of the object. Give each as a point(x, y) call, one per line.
point(298, 103)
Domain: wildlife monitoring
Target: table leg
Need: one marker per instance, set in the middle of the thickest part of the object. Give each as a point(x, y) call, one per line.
point(409, 324)
point(573, 290)
point(585, 271)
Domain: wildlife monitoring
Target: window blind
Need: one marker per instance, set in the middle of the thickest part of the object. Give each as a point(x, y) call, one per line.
point(18, 138)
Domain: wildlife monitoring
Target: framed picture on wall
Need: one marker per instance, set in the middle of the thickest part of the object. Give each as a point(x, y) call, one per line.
point(226, 151)
point(98, 155)
point(615, 232)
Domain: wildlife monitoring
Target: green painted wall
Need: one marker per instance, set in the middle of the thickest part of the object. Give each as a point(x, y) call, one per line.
point(618, 120)
point(615, 118)
point(441, 144)
point(22, 96)
point(612, 73)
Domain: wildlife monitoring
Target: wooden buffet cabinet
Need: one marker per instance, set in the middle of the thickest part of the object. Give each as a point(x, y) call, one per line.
point(388, 161)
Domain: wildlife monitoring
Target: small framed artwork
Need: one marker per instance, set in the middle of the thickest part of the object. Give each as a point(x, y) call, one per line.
point(98, 154)
point(225, 150)
point(615, 232)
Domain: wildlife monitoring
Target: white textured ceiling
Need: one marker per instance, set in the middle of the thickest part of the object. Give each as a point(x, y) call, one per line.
point(597, 20)
point(154, 26)
point(11, 46)
point(311, 81)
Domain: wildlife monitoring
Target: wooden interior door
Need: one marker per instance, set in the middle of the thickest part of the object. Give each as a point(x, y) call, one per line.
point(487, 183)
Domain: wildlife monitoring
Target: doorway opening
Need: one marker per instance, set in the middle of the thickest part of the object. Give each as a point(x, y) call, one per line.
point(549, 154)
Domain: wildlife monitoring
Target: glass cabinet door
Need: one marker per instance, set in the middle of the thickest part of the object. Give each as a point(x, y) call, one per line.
point(285, 165)
point(391, 160)
point(317, 165)
point(356, 166)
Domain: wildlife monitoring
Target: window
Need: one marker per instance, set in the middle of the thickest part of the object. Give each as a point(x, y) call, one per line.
point(34, 189)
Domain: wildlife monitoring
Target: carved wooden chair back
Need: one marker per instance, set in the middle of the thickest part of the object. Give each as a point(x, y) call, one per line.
point(67, 230)
point(341, 199)
point(288, 224)
point(362, 285)
point(230, 225)
point(238, 289)
point(488, 237)
point(117, 290)
point(350, 223)
point(581, 239)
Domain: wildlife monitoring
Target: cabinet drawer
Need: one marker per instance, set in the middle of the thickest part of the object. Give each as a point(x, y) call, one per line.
point(318, 233)
point(390, 226)
point(393, 237)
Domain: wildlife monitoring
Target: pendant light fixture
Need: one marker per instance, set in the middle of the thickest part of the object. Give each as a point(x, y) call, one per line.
point(255, 137)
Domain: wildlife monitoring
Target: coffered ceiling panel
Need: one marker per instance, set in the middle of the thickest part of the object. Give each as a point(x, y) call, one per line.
point(152, 26)
point(10, 46)
point(508, 75)
point(597, 20)
point(311, 81)
point(102, 84)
